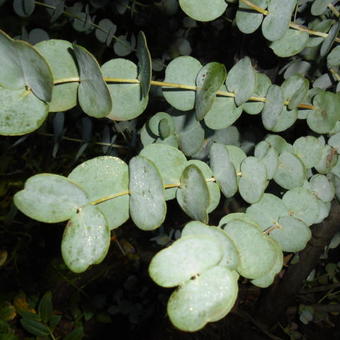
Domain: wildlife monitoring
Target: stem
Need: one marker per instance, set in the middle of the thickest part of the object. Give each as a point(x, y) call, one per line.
point(51, 334)
point(292, 24)
point(334, 10)
point(177, 86)
point(82, 141)
point(71, 15)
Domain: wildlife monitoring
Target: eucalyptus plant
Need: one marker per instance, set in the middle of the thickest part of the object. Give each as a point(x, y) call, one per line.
point(190, 153)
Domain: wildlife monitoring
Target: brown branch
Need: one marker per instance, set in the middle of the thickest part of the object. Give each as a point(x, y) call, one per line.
point(280, 296)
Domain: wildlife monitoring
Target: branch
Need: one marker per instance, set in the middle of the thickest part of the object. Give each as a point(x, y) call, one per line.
point(280, 296)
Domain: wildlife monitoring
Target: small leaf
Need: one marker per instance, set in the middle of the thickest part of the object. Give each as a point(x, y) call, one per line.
point(93, 94)
point(126, 102)
point(86, 239)
point(276, 23)
point(106, 31)
point(76, 334)
point(328, 42)
point(248, 20)
point(62, 64)
point(291, 233)
point(203, 10)
point(170, 162)
point(21, 112)
point(242, 80)
point(144, 65)
point(49, 198)
point(45, 307)
point(185, 258)
point(223, 169)
point(322, 188)
point(207, 298)
point(147, 202)
point(230, 255)
point(267, 211)
point(272, 107)
point(35, 327)
point(292, 43)
point(181, 70)
point(208, 81)
point(257, 253)
point(309, 150)
point(253, 179)
point(24, 8)
point(290, 172)
point(193, 194)
point(100, 177)
point(302, 204)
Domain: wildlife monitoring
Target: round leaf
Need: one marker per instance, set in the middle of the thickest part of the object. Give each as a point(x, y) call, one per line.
point(257, 253)
point(223, 169)
point(21, 112)
point(50, 198)
point(206, 298)
point(302, 204)
point(253, 179)
point(309, 150)
point(62, 64)
point(185, 258)
point(230, 257)
point(181, 70)
point(170, 162)
point(291, 234)
point(147, 202)
point(126, 101)
point(214, 191)
point(267, 211)
point(193, 193)
point(93, 94)
point(290, 172)
point(203, 10)
point(242, 80)
point(86, 239)
point(101, 177)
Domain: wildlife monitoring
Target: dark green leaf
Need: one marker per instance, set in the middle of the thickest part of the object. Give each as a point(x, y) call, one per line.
point(144, 64)
point(209, 80)
point(45, 307)
point(93, 94)
point(35, 327)
point(193, 194)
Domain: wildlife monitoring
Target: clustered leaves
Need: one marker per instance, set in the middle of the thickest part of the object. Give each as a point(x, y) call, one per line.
point(190, 153)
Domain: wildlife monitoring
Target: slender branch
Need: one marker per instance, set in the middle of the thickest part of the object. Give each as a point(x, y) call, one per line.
point(292, 24)
point(110, 197)
point(177, 86)
point(81, 140)
point(334, 10)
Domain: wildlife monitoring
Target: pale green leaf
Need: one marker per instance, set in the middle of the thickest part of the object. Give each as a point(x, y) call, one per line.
point(86, 239)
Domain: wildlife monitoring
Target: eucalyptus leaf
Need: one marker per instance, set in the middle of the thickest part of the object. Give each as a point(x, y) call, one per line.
point(242, 80)
point(252, 182)
point(223, 169)
point(257, 253)
point(50, 198)
point(101, 177)
point(207, 298)
point(290, 172)
point(272, 107)
point(247, 20)
point(125, 97)
point(21, 112)
point(208, 81)
point(276, 23)
point(185, 258)
point(203, 10)
point(86, 239)
point(230, 257)
point(144, 64)
point(181, 70)
point(193, 194)
point(63, 66)
point(147, 202)
point(92, 85)
point(170, 162)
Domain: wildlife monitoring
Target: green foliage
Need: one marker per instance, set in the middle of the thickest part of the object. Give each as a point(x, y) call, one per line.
point(191, 152)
